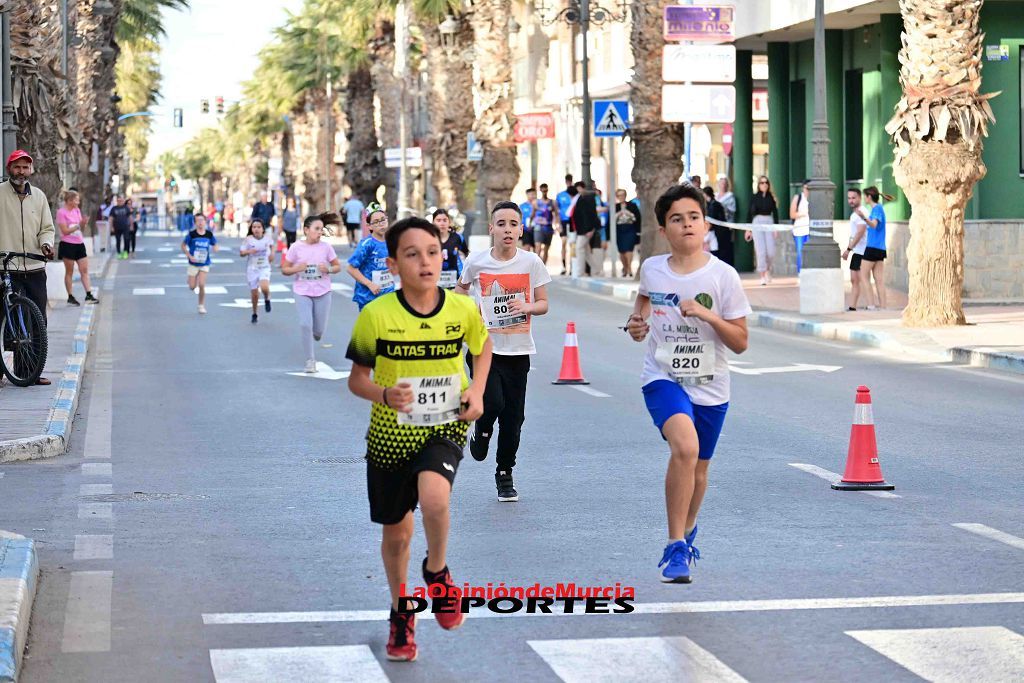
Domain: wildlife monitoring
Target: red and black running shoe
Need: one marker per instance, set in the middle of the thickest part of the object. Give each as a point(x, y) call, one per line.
point(447, 613)
point(402, 641)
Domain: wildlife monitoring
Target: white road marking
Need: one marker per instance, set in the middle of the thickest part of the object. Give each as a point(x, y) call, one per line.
point(87, 615)
point(712, 606)
point(216, 289)
point(99, 425)
point(653, 660)
point(1, 475)
point(165, 249)
point(592, 392)
point(142, 261)
point(148, 291)
point(338, 664)
point(948, 655)
point(95, 489)
point(981, 372)
point(832, 477)
point(323, 371)
point(994, 534)
point(277, 287)
point(97, 469)
point(341, 287)
point(94, 547)
point(796, 367)
point(95, 510)
point(247, 303)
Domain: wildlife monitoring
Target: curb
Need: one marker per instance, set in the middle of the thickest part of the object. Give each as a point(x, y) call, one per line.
point(995, 360)
point(57, 431)
point(19, 573)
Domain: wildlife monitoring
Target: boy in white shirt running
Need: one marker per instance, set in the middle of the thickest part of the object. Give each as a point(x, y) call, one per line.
point(701, 310)
point(510, 285)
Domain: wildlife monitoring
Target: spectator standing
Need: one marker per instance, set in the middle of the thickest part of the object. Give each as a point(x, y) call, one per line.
point(799, 211)
point(587, 226)
point(727, 199)
point(133, 227)
point(26, 226)
point(763, 211)
point(121, 221)
point(102, 222)
point(564, 200)
point(290, 222)
point(723, 235)
point(353, 209)
point(874, 252)
point(71, 249)
point(627, 230)
point(264, 210)
point(856, 246)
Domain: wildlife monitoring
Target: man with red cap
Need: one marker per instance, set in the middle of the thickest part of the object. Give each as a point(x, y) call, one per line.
point(26, 226)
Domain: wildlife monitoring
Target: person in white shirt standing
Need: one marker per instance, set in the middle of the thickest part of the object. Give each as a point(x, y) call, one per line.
point(510, 286)
point(858, 240)
point(700, 311)
point(353, 210)
point(800, 213)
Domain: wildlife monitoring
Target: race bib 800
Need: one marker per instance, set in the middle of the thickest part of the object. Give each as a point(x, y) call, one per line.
point(497, 312)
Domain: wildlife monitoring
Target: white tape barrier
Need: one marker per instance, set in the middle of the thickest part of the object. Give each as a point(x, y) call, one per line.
point(753, 227)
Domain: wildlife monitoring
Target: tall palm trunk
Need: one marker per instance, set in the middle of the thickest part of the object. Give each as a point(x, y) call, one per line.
point(387, 88)
point(362, 161)
point(657, 146)
point(938, 129)
point(307, 125)
point(499, 171)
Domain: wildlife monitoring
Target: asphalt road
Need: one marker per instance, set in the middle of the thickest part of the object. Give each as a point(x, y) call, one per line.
point(210, 520)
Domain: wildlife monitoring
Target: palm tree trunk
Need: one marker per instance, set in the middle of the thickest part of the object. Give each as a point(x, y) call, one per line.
point(388, 91)
point(499, 171)
point(362, 161)
point(658, 146)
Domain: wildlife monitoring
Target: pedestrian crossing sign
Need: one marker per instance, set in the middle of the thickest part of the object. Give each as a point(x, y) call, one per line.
point(611, 118)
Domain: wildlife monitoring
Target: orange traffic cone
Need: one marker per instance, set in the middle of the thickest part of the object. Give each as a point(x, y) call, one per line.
point(863, 473)
point(570, 372)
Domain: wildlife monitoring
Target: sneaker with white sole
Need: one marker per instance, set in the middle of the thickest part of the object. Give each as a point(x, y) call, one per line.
point(674, 566)
point(506, 488)
point(310, 366)
point(202, 309)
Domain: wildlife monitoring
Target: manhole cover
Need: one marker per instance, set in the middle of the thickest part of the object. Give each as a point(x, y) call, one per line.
point(140, 497)
point(339, 461)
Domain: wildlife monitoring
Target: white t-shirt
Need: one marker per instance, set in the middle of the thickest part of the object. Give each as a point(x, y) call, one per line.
point(493, 284)
point(802, 222)
point(264, 250)
point(856, 223)
point(675, 340)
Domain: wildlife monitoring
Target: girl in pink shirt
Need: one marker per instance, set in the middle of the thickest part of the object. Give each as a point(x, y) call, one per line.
point(72, 247)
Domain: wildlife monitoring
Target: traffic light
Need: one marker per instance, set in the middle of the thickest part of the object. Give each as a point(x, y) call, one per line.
point(205, 104)
point(220, 106)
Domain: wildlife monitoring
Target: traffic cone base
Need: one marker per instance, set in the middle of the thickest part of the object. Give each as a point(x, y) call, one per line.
point(570, 372)
point(854, 486)
point(570, 381)
point(863, 471)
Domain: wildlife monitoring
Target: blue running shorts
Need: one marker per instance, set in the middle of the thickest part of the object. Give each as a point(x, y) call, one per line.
point(665, 399)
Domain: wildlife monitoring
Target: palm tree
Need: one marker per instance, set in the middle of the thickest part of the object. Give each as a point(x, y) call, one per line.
point(658, 146)
point(938, 129)
point(499, 171)
point(387, 88)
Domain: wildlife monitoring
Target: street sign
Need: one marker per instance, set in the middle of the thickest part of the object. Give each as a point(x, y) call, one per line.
point(393, 157)
point(611, 118)
point(698, 103)
point(699, 64)
point(715, 23)
point(532, 127)
point(178, 118)
point(474, 148)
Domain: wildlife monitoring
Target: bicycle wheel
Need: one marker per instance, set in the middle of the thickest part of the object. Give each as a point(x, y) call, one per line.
point(23, 341)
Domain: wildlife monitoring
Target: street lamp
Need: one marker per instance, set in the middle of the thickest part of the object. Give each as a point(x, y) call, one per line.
point(582, 13)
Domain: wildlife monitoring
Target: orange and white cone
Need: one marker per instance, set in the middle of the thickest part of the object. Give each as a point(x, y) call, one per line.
point(863, 472)
point(570, 372)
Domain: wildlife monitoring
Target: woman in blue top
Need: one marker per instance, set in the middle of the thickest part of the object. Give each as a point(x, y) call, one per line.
point(368, 263)
point(874, 252)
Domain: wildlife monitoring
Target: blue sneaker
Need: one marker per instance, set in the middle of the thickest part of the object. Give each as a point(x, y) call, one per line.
point(690, 538)
point(675, 563)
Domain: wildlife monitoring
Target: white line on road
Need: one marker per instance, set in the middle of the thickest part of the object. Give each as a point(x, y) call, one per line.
point(97, 469)
point(712, 606)
point(994, 534)
point(94, 547)
point(991, 653)
point(832, 477)
point(981, 372)
point(148, 291)
point(610, 660)
point(591, 392)
point(95, 510)
point(337, 664)
point(796, 367)
point(216, 289)
point(87, 617)
point(143, 261)
point(95, 489)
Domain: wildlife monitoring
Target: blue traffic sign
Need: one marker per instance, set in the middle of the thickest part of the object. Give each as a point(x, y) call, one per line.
point(474, 149)
point(611, 118)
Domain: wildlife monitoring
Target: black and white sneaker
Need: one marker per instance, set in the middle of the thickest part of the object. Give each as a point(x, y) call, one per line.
point(266, 305)
point(72, 301)
point(506, 490)
point(255, 318)
point(478, 444)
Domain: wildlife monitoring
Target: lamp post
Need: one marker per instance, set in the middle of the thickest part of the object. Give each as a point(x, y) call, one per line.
point(582, 13)
point(10, 130)
point(821, 280)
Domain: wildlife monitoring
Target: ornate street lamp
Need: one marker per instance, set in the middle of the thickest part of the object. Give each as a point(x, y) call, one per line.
point(582, 13)
point(449, 29)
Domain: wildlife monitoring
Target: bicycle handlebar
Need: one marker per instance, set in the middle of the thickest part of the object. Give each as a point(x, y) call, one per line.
point(8, 256)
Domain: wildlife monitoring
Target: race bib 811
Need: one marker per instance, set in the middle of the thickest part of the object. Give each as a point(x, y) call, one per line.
point(435, 400)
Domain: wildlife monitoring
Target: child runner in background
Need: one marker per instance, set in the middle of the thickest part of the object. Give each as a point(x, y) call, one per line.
point(701, 310)
point(411, 341)
point(368, 264)
point(451, 245)
point(312, 261)
point(258, 247)
point(511, 287)
point(526, 209)
point(198, 244)
point(543, 223)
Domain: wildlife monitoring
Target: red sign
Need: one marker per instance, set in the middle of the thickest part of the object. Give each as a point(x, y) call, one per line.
point(530, 127)
point(727, 138)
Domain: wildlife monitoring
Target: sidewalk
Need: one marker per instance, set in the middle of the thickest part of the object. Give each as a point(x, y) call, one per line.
point(993, 337)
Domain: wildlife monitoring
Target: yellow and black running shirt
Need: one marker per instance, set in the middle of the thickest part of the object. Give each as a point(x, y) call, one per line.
point(400, 344)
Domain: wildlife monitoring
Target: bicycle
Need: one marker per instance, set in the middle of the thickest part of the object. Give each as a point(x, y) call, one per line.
point(23, 341)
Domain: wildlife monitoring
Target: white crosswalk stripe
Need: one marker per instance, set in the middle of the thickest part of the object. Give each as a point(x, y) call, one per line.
point(651, 660)
point(338, 664)
point(990, 653)
point(148, 291)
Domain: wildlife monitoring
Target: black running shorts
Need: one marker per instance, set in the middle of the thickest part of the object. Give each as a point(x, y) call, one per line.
point(393, 494)
point(855, 260)
point(873, 254)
